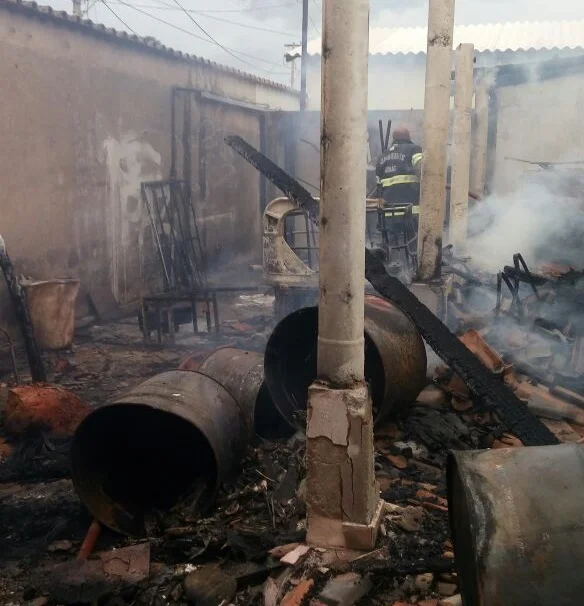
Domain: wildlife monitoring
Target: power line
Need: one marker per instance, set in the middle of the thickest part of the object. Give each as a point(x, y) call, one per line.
point(193, 35)
point(165, 7)
point(252, 8)
point(238, 10)
point(209, 35)
point(109, 8)
point(314, 27)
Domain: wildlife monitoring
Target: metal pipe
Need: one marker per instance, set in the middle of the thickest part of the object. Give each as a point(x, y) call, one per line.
point(394, 354)
point(436, 110)
point(516, 522)
point(461, 139)
point(345, 50)
point(174, 437)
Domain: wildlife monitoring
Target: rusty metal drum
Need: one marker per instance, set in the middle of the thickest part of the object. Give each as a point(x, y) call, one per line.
point(517, 522)
point(177, 434)
point(395, 360)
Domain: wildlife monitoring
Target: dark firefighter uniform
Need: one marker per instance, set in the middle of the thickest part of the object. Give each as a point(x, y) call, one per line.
point(398, 170)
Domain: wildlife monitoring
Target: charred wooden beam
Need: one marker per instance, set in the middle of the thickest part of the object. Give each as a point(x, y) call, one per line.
point(280, 178)
point(488, 388)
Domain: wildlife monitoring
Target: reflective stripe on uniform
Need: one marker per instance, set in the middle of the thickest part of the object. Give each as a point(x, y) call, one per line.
point(398, 180)
point(401, 211)
point(417, 158)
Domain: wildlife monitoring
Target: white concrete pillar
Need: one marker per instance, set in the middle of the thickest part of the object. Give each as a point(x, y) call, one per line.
point(436, 113)
point(345, 57)
point(481, 135)
point(461, 146)
point(342, 498)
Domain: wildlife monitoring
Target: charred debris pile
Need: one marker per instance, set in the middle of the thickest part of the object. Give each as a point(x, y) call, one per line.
point(225, 519)
point(141, 477)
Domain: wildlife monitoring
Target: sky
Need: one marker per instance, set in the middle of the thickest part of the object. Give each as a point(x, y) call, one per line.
point(251, 35)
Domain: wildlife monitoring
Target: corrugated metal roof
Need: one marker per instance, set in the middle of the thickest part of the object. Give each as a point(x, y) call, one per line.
point(520, 36)
point(148, 44)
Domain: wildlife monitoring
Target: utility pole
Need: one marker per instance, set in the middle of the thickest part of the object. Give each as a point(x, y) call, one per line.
point(292, 60)
point(342, 498)
point(436, 114)
point(303, 97)
point(77, 8)
point(461, 146)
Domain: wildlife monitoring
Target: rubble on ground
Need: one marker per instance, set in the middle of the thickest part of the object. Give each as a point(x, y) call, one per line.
point(249, 548)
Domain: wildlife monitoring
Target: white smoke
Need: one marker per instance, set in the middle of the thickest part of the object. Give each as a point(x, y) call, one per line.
point(543, 220)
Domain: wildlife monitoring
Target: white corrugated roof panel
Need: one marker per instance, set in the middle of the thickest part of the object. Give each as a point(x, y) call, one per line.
point(527, 35)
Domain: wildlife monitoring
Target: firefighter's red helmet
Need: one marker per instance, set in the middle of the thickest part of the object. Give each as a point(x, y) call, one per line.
point(401, 133)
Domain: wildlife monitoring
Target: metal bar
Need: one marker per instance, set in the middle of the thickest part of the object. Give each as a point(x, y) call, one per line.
point(187, 151)
point(155, 206)
point(156, 235)
point(381, 138)
point(178, 202)
point(519, 262)
point(21, 311)
point(180, 261)
point(172, 133)
point(387, 134)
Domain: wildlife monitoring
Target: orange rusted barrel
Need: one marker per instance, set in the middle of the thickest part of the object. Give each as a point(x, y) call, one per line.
point(176, 436)
point(395, 360)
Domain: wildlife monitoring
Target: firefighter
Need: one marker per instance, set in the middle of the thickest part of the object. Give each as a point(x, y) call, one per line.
point(398, 170)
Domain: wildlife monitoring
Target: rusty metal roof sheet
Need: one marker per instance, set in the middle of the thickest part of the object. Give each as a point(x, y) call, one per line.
point(148, 44)
point(489, 37)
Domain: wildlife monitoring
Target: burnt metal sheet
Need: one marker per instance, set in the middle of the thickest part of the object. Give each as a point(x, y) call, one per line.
point(516, 521)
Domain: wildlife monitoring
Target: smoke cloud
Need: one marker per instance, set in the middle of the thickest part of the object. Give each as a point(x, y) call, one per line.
point(543, 220)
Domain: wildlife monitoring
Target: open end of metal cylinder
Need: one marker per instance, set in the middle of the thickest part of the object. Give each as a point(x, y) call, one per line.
point(290, 365)
point(463, 533)
point(268, 422)
point(130, 461)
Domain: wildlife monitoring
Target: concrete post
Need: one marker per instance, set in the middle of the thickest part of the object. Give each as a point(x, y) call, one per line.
point(479, 176)
point(461, 140)
point(342, 499)
point(436, 112)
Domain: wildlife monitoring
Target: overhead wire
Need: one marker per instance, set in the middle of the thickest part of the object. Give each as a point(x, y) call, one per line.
point(209, 35)
point(196, 36)
point(166, 7)
point(314, 26)
point(109, 8)
point(249, 9)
